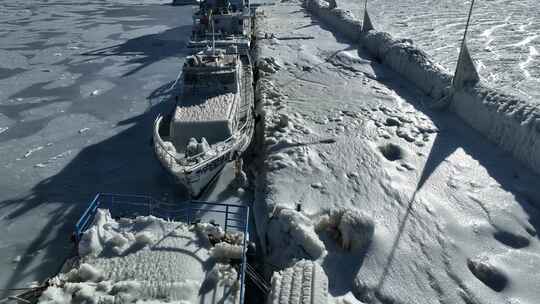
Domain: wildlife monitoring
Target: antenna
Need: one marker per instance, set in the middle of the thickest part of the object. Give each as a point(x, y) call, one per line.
point(367, 25)
point(213, 35)
point(465, 71)
point(467, 25)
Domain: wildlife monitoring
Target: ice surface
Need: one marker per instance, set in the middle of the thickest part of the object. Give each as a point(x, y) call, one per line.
point(500, 36)
point(135, 45)
point(360, 136)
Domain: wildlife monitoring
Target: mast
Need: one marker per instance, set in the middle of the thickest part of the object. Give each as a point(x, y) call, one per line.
point(367, 25)
point(213, 35)
point(467, 24)
point(465, 72)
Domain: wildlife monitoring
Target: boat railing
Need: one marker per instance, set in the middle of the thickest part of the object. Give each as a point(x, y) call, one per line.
point(233, 218)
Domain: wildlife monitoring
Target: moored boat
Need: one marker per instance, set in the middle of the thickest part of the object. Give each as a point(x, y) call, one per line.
point(212, 122)
point(221, 24)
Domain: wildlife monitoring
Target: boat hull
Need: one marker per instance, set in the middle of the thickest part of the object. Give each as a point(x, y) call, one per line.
point(197, 177)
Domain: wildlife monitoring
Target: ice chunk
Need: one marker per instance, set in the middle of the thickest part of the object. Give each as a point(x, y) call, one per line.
point(292, 233)
point(192, 147)
point(203, 146)
point(226, 251)
point(88, 273)
point(353, 228)
point(210, 230)
point(55, 295)
point(144, 238)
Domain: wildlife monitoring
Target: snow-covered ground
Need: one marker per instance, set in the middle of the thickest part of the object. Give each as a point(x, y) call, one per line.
point(399, 204)
point(504, 36)
point(147, 259)
point(80, 86)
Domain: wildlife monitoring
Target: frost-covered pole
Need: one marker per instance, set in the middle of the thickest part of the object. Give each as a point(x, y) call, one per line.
point(467, 25)
point(213, 35)
point(367, 25)
point(465, 70)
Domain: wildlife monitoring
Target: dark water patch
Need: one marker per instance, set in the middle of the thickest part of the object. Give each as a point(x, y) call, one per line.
point(18, 23)
point(13, 110)
point(6, 73)
point(35, 46)
point(23, 129)
point(87, 26)
point(152, 48)
point(88, 12)
point(126, 11)
point(50, 34)
point(38, 90)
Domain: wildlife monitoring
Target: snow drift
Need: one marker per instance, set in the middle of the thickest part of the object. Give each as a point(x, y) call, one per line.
point(508, 121)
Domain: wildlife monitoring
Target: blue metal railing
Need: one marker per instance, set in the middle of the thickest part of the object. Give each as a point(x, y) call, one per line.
point(232, 217)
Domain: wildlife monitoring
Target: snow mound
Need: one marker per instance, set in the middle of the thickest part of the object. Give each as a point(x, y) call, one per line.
point(291, 235)
point(121, 292)
point(223, 274)
point(268, 65)
point(216, 234)
point(225, 251)
point(343, 20)
point(508, 121)
point(109, 237)
point(351, 227)
point(86, 272)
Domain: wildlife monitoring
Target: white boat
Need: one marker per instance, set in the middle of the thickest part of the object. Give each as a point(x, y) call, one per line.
point(221, 24)
point(212, 122)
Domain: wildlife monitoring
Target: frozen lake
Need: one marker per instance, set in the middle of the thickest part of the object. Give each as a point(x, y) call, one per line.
point(504, 36)
point(80, 86)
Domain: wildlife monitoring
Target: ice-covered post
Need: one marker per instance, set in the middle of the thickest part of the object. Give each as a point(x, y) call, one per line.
point(226, 216)
point(465, 70)
point(366, 24)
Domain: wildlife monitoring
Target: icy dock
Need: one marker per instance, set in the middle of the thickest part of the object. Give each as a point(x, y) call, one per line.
point(455, 219)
